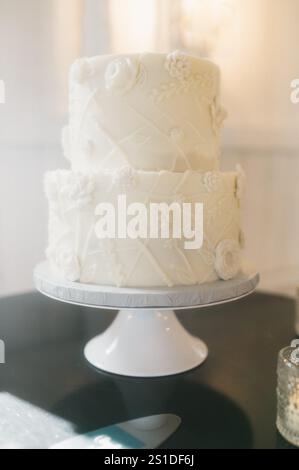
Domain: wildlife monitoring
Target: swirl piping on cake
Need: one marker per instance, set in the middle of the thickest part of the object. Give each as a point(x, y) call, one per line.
point(228, 259)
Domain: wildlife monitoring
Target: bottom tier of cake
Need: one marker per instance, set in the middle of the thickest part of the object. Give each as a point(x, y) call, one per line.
point(84, 206)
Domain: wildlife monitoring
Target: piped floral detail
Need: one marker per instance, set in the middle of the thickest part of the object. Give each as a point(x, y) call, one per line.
point(199, 82)
point(240, 183)
point(178, 65)
point(75, 189)
point(211, 181)
point(81, 71)
point(122, 74)
point(227, 259)
point(66, 260)
point(126, 179)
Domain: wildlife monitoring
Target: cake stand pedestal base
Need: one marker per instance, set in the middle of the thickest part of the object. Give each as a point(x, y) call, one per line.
point(146, 339)
point(146, 343)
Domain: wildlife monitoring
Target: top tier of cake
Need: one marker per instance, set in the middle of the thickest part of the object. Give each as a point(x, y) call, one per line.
point(149, 111)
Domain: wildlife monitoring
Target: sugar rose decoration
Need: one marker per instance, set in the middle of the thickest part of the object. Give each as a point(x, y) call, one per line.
point(211, 181)
point(122, 74)
point(78, 189)
point(178, 65)
point(75, 189)
point(227, 259)
point(66, 260)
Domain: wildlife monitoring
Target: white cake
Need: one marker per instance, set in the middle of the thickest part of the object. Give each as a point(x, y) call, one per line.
point(147, 127)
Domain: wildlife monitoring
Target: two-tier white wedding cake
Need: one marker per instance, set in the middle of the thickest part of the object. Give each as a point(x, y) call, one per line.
point(145, 126)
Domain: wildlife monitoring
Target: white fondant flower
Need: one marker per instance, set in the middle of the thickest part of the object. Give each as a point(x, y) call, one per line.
point(126, 179)
point(240, 183)
point(66, 144)
point(81, 71)
point(227, 259)
point(66, 260)
point(75, 190)
point(211, 181)
point(178, 65)
point(122, 74)
point(78, 190)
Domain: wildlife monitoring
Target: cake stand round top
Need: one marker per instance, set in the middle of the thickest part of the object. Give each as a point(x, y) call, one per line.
point(208, 294)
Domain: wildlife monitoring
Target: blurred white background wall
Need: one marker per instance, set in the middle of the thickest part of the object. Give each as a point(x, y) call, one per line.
point(254, 42)
point(37, 43)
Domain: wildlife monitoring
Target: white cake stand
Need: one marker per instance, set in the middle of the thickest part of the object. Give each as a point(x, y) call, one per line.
point(146, 339)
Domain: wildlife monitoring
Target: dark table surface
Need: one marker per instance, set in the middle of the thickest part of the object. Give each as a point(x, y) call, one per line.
point(228, 402)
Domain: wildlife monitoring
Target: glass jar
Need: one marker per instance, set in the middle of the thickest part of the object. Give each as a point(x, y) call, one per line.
point(288, 393)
